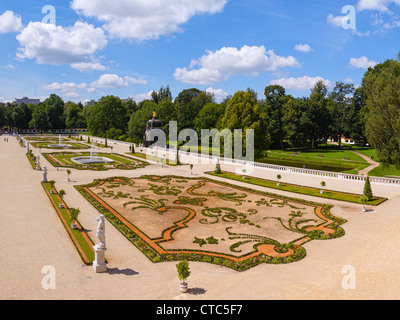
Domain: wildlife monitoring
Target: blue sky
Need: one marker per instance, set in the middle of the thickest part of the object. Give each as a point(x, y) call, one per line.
point(129, 48)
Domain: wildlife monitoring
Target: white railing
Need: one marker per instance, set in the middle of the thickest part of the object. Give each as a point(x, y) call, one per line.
point(171, 155)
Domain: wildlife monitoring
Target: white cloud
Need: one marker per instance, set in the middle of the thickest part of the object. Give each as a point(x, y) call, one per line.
point(143, 96)
point(72, 94)
point(88, 66)
point(377, 5)
point(301, 83)
point(64, 87)
point(362, 63)
point(10, 22)
point(115, 81)
point(303, 48)
point(219, 94)
point(335, 21)
point(220, 65)
point(68, 89)
point(56, 45)
point(145, 19)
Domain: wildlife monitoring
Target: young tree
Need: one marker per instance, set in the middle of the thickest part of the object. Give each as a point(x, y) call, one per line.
point(368, 190)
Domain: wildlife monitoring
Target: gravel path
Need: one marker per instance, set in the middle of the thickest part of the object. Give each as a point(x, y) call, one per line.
point(32, 237)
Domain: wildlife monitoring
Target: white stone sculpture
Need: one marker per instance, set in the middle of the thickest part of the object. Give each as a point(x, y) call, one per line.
point(99, 263)
point(100, 233)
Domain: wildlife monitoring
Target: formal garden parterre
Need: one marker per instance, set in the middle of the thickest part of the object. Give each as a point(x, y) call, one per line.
point(171, 218)
point(64, 160)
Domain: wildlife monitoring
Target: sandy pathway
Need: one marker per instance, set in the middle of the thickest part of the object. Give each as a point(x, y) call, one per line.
point(31, 236)
point(373, 164)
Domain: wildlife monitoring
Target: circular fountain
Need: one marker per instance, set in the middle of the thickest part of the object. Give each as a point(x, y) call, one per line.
point(59, 145)
point(92, 159)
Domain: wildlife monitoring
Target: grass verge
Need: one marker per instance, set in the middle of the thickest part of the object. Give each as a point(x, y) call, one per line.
point(328, 194)
point(79, 237)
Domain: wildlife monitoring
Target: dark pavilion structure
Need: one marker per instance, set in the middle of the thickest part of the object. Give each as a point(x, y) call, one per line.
point(152, 124)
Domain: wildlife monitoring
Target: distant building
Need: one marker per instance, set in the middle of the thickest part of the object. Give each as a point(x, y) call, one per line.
point(348, 140)
point(89, 102)
point(27, 101)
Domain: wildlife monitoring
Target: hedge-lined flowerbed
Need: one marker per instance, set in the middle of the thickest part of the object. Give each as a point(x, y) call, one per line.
point(328, 194)
point(79, 237)
point(284, 253)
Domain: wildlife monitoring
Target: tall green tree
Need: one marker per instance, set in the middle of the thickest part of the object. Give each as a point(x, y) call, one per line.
point(39, 118)
point(275, 99)
point(355, 126)
point(188, 105)
point(166, 112)
point(21, 116)
point(209, 117)
point(340, 105)
point(160, 95)
point(54, 109)
point(138, 121)
point(382, 124)
point(296, 121)
point(2, 115)
point(74, 117)
point(317, 115)
point(243, 112)
point(109, 113)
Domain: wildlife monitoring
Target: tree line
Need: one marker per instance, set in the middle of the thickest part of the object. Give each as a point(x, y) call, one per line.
point(368, 113)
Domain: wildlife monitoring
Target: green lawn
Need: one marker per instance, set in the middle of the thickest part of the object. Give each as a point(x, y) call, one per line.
point(154, 158)
point(367, 151)
point(330, 152)
point(392, 171)
point(329, 158)
point(328, 194)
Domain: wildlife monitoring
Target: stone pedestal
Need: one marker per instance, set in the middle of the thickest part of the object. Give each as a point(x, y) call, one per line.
point(38, 162)
point(44, 179)
point(99, 264)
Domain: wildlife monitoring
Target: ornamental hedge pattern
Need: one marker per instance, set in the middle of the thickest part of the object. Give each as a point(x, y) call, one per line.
point(170, 218)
